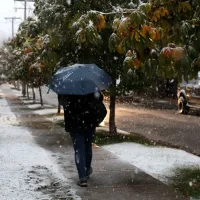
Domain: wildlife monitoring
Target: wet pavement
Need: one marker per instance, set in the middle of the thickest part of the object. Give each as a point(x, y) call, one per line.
point(42, 156)
point(162, 126)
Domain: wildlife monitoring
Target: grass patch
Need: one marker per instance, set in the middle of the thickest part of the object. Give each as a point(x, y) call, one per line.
point(40, 125)
point(187, 181)
point(40, 108)
point(104, 138)
point(54, 115)
point(60, 123)
point(14, 88)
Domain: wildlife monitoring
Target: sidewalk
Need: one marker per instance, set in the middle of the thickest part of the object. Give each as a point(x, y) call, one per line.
point(112, 178)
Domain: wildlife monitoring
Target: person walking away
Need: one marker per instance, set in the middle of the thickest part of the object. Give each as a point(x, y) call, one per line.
point(82, 114)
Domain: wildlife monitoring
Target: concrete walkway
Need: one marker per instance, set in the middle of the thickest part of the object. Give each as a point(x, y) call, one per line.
point(112, 179)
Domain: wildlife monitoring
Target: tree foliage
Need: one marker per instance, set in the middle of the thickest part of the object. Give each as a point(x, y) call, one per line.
point(161, 37)
point(126, 38)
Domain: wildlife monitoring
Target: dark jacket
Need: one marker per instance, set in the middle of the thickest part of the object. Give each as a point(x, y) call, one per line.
point(82, 113)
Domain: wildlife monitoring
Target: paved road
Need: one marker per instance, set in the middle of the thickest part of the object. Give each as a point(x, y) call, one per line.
point(161, 125)
point(167, 126)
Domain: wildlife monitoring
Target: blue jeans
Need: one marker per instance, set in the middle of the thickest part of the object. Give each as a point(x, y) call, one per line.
point(83, 152)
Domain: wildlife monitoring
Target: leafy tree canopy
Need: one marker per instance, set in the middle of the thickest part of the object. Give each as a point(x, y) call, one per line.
point(161, 37)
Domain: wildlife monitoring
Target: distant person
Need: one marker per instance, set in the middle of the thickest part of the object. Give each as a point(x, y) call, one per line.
point(82, 114)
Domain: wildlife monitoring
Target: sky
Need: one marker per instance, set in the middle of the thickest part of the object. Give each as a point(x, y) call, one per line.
point(7, 10)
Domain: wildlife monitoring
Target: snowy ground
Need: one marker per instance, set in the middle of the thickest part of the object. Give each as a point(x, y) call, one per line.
point(38, 106)
point(157, 161)
point(160, 162)
point(56, 119)
point(26, 169)
point(25, 101)
point(46, 111)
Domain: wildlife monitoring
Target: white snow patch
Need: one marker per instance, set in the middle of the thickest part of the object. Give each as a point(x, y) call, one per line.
point(28, 101)
point(46, 111)
point(118, 81)
point(159, 162)
point(56, 119)
point(18, 94)
point(37, 106)
point(6, 117)
point(16, 91)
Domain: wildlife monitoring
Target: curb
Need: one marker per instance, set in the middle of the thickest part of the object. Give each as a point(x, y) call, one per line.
point(107, 129)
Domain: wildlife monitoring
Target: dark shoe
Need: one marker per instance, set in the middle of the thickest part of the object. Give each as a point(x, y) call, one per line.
point(89, 172)
point(82, 183)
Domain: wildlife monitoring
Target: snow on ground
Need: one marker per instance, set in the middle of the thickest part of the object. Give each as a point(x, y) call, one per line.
point(38, 106)
point(25, 101)
point(159, 162)
point(56, 119)
point(156, 161)
point(46, 111)
point(5, 116)
point(21, 159)
point(18, 94)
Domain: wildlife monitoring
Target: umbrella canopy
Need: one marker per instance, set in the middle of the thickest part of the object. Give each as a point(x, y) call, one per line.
point(80, 79)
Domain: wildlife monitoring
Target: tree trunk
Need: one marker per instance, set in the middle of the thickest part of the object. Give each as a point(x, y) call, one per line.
point(41, 100)
point(112, 125)
point(23, 88)
point(27, 91)
point(18, 85)
point(33, 94)
point(14, 84)
point(59, 108)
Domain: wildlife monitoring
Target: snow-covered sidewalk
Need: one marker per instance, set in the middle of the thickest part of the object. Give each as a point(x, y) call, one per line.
point(159, 162)
point(25, 167)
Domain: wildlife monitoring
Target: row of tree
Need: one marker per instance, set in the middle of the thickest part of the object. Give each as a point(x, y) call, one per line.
point(136, 42)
